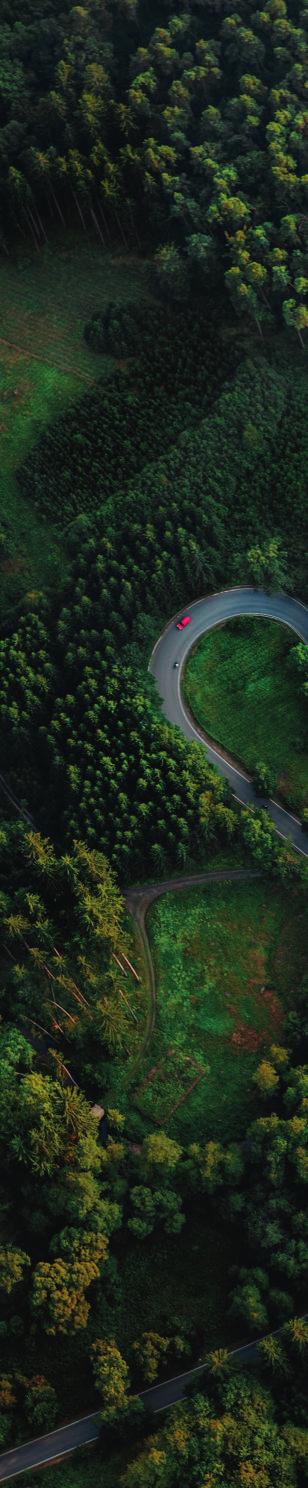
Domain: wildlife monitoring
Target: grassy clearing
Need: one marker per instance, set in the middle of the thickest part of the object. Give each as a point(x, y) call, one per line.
point(238, 686)
point(46, 299)
point(225, 957)
point(31, 556)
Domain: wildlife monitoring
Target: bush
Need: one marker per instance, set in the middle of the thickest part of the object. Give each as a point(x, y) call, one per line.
point(263, 780)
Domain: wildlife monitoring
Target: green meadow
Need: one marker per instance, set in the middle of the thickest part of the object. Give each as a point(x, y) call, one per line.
point(240, 688)
point(45, 362)
point(225, 957)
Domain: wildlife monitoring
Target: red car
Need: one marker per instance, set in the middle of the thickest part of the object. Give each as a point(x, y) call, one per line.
point(186, 620)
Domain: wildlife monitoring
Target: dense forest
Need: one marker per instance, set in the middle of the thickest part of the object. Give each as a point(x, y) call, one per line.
point(128, 1253)
point(196, 120)
point(127, 571)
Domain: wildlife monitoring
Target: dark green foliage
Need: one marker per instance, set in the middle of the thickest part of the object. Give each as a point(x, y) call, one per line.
point(264, 779)
point(26, 676)
point(191, 124)
point(88, 457)
point(140, 795)
point(272, 1205)
point(121, 330)
point(183, 527)
point(213, 484)
point(105, 117)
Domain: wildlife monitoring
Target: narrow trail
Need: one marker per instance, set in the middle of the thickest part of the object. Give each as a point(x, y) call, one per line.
point(36, 356)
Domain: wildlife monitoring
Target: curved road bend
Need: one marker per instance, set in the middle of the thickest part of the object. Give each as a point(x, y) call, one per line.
point(57, 1444)
point(174, 645)
point(138, 900)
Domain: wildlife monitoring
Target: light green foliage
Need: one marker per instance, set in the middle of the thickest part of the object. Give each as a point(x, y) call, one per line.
point(296, 1333)
point(264, 780)
point(266, 1079)
point(13, 1263)
point(156, 1206)
point(111, 1377)
point(267, 565)
point(212, 1166)
point(62, 922)
point(233, 1440)
point(273, 1355)
point(218, 1362)
point(59, 1288)
point(160, 1154)
point(151, 1353)
point(248, 1299)
point(24, 692)
point(39, 1120)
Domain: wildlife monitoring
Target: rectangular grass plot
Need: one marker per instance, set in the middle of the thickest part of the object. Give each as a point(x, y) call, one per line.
point(167, 1085)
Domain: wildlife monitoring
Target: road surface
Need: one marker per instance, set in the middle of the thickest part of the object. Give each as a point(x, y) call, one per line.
point(174, 645)
point(56, 1444)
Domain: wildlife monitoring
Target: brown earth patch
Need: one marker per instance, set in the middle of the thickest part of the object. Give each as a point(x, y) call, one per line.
point(281, 953)
point(273, 1006)
point(13, 565)
point(246, 1039)
point(191, 948)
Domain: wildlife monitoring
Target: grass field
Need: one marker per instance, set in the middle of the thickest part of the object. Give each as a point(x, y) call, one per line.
point(225, 958)
point(239, 688)
point(46, 299)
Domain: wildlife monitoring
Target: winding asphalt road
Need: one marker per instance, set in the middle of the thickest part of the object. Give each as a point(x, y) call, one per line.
point(57, 1444)
point(174, 646)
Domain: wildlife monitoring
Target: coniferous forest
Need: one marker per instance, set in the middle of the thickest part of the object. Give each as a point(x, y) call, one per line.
point(153, 915)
